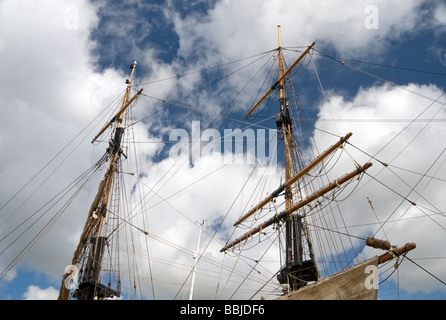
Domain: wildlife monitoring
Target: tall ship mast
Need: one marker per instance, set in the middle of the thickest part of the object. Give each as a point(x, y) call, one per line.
point(89, 256)
point(300, 266)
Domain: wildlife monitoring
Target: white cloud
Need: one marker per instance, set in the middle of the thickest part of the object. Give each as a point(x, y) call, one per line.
point(234, 29)
point(37, 293)
point(440, 13)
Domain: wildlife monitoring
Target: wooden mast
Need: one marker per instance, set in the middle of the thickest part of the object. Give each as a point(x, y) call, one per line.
point(286, 123)
point(91, 234)
point(293, 224)
point(280, 79)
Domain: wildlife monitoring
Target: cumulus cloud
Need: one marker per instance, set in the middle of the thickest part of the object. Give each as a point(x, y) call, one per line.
point(343, 25)
point(440, 13)
point(37, 293)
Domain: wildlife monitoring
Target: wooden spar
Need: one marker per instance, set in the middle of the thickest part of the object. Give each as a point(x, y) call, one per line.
point(298, 205)
point(117, 116)
point(377, 243)
point(300, 174)
point(393, 251)
point(396, 252)
point(280, 79)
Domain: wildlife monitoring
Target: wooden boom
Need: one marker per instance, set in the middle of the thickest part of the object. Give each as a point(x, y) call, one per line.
point(393, 251)
point(397, 252)
point(298, 205)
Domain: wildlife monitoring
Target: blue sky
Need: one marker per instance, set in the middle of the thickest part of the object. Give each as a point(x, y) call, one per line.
point(63, 63)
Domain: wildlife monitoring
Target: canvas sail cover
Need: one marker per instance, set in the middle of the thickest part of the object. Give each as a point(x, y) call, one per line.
point(357, 283)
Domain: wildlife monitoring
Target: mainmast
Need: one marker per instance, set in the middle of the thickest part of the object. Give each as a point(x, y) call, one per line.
point(296, 272)
point(299, 266)
point(93, 241)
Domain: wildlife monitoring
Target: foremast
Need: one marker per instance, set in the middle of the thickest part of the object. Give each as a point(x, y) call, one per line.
point(92, 241)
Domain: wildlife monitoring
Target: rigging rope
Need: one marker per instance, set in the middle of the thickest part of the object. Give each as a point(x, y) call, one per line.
point(340, 60)
point(208, 68)
point(49, 224)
